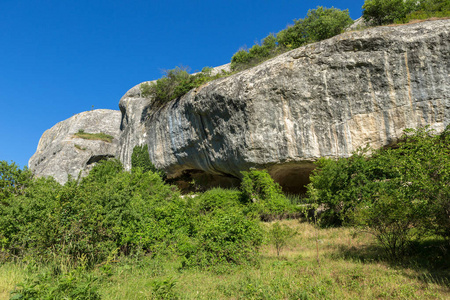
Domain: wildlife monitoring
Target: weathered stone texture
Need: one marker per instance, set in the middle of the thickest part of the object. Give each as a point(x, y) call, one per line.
point(60, 153)
point(322, 100)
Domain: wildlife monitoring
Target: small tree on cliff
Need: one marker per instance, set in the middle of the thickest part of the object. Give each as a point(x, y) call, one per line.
point(141, 159)
point(382, 12)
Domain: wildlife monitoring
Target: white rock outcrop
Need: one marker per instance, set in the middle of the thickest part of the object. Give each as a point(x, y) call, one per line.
point(322, 100)
point(60, 153)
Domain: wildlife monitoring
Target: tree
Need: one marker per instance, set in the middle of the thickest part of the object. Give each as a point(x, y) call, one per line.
point(292, 37)
point(12, 179)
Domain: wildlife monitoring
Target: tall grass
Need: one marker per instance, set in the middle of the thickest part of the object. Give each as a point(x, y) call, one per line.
point(351, 266)
point(10, 275)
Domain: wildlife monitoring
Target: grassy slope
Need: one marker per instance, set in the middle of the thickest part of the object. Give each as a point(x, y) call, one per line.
point(348, 268)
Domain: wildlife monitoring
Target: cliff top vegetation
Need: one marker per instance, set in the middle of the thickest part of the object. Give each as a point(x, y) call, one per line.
point(319, 24)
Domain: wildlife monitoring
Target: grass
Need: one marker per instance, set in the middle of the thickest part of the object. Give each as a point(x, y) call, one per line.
point(93, 136)
point(79, 147)
point(350, 266)
point(10, 275)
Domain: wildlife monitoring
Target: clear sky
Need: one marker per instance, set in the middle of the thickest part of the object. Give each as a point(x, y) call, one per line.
point(59, 58)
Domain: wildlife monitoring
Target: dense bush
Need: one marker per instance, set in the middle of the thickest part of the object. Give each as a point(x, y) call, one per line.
point(323, 23)
point(224, 237)
point(319, 24)
point(113, 212)
point(175, 83)
point(75, 284)
point(427, 9)
point(381, 12)
point(399, 194)
point(264, 196)
point(108, 209)
point(218, 198)
point(340, 184)
point(245, 59)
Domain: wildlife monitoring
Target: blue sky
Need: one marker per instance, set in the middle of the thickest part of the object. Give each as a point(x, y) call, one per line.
point(59, 58)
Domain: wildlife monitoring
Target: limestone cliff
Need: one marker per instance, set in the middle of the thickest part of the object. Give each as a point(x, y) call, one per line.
point(322, 100)
point(61, 153)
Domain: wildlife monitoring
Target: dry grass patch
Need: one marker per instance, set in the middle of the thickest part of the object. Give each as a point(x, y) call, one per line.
point(10, 275)
point(94, 136)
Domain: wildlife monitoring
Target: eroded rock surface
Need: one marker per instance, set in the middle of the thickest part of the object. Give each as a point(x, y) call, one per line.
point(322, 100)
point(60, 153)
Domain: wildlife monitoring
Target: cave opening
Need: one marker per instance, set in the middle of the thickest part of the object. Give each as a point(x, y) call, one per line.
point(293, 179)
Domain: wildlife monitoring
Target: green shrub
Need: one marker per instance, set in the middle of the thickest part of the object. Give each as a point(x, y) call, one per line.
point(140, 158)
point(320, 23)
point(278, 235)
point(176, 83)
point(428, 9)
point(75, 284)
point(338, 185)
point(323, 23)
point(391, 218)
point(292, 37)
point(164, 289)
point(224, 237)
point(382, 12)
point(107, 210)
point(265, 195)
point(218, 198)
point(241, 60)
point(398, 194)
point(13, 180)
point(104, 171)
point(26, 220)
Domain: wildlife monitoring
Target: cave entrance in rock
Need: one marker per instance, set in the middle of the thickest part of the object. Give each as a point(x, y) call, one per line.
point(197, 180)
point(293, 178)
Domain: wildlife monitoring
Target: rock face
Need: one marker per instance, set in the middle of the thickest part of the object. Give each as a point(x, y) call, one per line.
point(60, 153)
point(322, 100)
